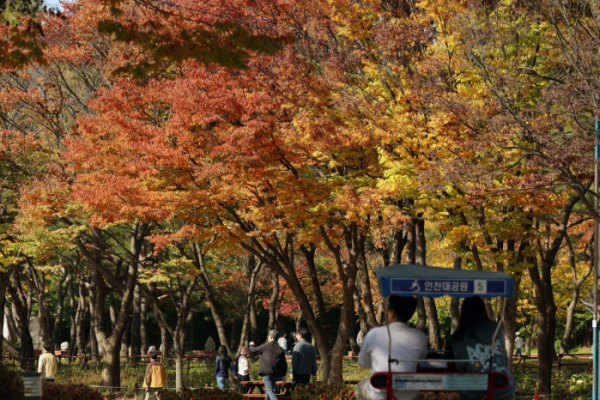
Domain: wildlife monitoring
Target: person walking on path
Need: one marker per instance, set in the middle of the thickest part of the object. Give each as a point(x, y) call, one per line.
point(243, 367)
point(272, 364)
point(304, 360)
point(223, 364)
point(47, 365)
point(155, 378)
point(519, 345)
point(282, 341)
point(293, 340)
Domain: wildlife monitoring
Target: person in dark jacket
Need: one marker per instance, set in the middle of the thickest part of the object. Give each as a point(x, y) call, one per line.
point(472, 340)
point(223, 364)
point(304, 360)
point(272, 364)
point(293, 340)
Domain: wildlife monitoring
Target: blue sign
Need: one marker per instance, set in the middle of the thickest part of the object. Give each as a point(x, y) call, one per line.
point(450, 286)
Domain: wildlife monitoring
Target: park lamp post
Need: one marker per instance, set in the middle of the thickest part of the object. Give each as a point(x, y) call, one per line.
point(595, 355)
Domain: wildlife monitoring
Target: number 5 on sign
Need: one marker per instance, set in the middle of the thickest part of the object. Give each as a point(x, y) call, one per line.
point(480, 286)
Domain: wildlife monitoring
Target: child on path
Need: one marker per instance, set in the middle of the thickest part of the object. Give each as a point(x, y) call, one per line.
point(519, 345)
point(243, 370)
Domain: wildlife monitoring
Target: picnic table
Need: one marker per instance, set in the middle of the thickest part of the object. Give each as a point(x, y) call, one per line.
point(285, 394)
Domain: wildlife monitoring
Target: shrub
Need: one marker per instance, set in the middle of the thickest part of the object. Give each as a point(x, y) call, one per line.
point(11, 385)
point(324, 391)
point(200, 394)
point(56, 391)
point(341, 392)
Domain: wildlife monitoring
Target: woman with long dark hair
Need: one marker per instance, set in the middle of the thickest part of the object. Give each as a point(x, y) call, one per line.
point(472, 340)
point(223, 364)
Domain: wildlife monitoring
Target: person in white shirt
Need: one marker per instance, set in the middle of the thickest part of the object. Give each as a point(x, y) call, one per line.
point(519, 345)
point(407, 344)
point(282, 342)
point(243, 370)
point(47, 365)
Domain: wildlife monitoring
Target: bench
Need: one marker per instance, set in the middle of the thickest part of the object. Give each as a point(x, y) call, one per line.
point(260, 385)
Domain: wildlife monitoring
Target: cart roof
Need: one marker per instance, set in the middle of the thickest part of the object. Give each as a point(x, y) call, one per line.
point(408, 280)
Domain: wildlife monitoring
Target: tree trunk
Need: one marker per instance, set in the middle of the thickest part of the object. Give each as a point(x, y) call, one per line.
point(309, 256)
point(253, 270)
point(421, 313)
point(216, 314)
point(253, 320)
point(37, 280)
point(399, 241)
point(364, 326)
point(10, 321)
point(510, 323)
point(11, 318)
point(178, 366)
point(72, 321)
point(244, 334)
point(20, 302)
point(530, 334)
point(544, 372)
point(125, 340)
point(352, 340)
point(273, 301)
point(282, 262)
point(347, 271)
point(111, 344)
point(210, 297)
point(164, 338)
point(182, 303)
point(411, 242)
point(545, 298)
point(179, 336)
point(3, 282)
point(454, 302)
point(564, 344)
point(136, 322)
point(435, 337)
point(111, 312)
point(80, 332)
point(365, 290)
point(234, 333)
point(143, 333)
point(94, 346)
point(111, 368)
point(64, 280)
point(336, 374)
